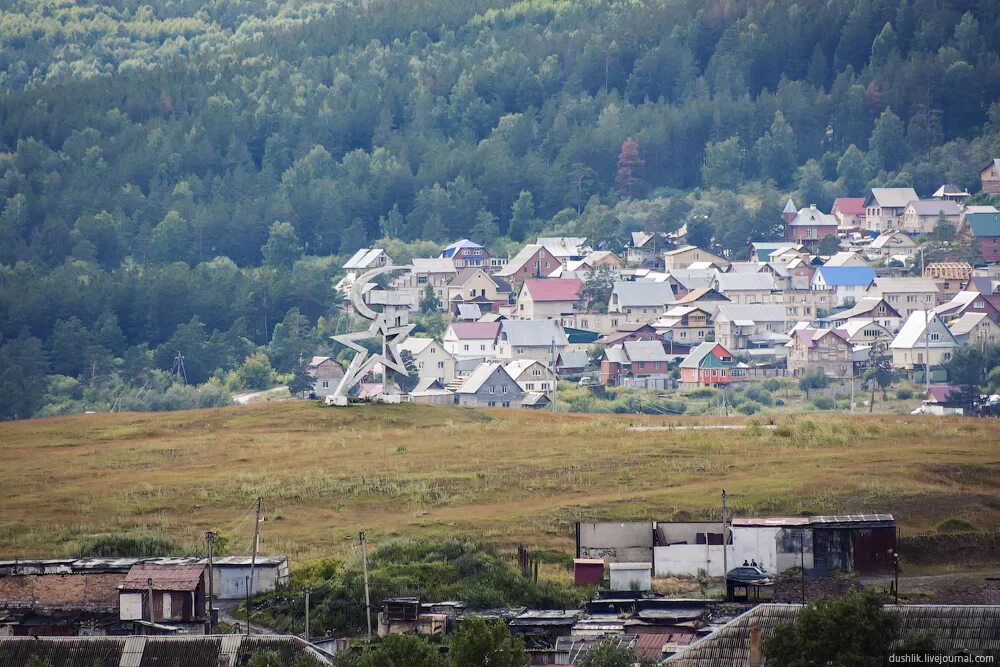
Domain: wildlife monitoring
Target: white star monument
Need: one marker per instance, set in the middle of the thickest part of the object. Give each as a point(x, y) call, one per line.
point(392, 326)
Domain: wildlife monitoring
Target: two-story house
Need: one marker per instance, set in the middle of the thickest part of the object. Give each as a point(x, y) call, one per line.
point(532, 261)
point(810, 226)
point(923, 338)
point(849, 212)
point(685, 256)
point(326, 375)
point(465, 340)
point(431, 358)
point(711, 365)
point(848, 283)
point(549, 298)
point(753, 326)
point(489, 386)
point(472, 285)
point(985, 230)
point(541, 340)
point(906, 295)
point(640, 301)
point(685, 324)
point(921, 217)
point(748, 287)
point(633, 359)
point(884, 207)
point(436, 272)
point(531, 375)
point(826, 349)
point(466, 253)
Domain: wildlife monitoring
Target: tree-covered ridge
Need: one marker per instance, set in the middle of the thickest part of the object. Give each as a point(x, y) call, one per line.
point(147, 149)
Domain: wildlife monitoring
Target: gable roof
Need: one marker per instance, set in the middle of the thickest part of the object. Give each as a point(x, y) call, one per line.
point(563, 246)
point(763, 249)
point(572, 359)
point(983, 224)
point(642, 293)
point(532, 333)
point(950, 190)
point(789, 206)
point(863, 307)
point(837, 276)
point(173, 577)
point(753, 312)
point(812, 337)
point(954, 628)
point(645, 350)
point(433, 265)
point(935, 207)
point(890, 239)
point(469, 311)
point(967, 323)
point(699, 293)
point(744, 282)
point(693, 278)
point(465, 274)
point(695, 358)
point(885, 284)
point(554, 289)
point(475, 330)
point(523, 256)
point(911, 334)
point(842, 258)
point(812, 217)
point(849, 205)
point(363, 258)
point(481, 375)
point(891, 197)
point(516, 367)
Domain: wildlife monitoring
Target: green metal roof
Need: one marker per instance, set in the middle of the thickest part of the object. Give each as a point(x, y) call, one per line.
point(984, 224)
point(580, 335)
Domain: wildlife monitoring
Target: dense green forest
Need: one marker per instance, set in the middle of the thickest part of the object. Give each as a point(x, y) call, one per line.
point(182, 176)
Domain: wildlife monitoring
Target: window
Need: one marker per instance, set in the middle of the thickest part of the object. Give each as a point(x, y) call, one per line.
point(491, 404)
point(482, 347)
point(684, 334)
point(420, 364)
point(493, 389)
point(421, 280)
point(506, 404)
point(472, 293)
point(946, 356)
point(505, 388)
point(326, 384)
point(935, 336)
point(466, 348)
point(440, 364)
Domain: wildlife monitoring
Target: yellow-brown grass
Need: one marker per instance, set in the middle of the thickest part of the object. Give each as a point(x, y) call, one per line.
point(503, 476)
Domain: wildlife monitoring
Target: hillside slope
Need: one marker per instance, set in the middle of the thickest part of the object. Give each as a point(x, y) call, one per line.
point(502, 477)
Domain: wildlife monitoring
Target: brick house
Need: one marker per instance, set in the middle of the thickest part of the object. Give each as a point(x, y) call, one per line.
point(549, 298)
point(633, 359)
point(533, 261)
point(810, 226)
point(827, 349)
point(989, 175)
point(985, 230)
point(466, 253)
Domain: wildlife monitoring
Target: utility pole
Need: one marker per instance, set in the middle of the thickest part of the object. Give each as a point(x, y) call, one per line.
point(927, 335)
point(307, 614)
point(149, 598)
point(210, 538)
point(248, 580)
point(555, 377)
point(256, 541)
point(368, 603)
point(802, 562)
point(725, 559)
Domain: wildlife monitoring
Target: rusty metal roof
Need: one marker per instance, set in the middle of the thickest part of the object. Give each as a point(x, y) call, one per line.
point(180, 577)
point(805, 521)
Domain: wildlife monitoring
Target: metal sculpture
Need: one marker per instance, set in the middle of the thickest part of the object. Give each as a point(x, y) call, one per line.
point(392, 328)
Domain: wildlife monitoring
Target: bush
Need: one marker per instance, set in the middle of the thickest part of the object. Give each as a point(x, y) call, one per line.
point(904, 394)
point(778, 402)
point(955, 526)
point(701, 392)
point(749, 408)
point(759, 393)
point(124, 546)
point(824, 403)
point(771, 384)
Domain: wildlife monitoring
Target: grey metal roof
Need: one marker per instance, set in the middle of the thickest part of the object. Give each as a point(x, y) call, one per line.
point(616, 354)
point(756, 312)
point(892, 197)
point(911, 334)
point(479, 377)
point(363, 258)
point(642, 293)
point(532, 333)
point(935, 207)
point(433, 265)
point(740, 282)
point(813, 216)
point(645, 350)
point(954, 628)
point(697, 354)
point(573, 359)
point(694, 278)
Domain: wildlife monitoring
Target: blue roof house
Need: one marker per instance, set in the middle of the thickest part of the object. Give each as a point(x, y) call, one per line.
point(848, 283)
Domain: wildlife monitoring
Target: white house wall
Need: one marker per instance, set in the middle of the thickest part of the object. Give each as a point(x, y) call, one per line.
point(679, 560)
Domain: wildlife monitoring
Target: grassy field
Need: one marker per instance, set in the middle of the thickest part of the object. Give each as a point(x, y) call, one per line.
point(505, 477)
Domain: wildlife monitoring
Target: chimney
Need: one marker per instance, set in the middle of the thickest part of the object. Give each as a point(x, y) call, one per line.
point(755, 652)
point(812, 207)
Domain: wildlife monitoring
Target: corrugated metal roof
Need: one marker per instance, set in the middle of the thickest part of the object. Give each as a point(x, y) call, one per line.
point(164, 577)
point(954, 628)
point(532, 333)
point(642, 293)
point(554, 289)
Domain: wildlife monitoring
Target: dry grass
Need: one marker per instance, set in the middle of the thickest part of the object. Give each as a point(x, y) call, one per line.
point(502, 476)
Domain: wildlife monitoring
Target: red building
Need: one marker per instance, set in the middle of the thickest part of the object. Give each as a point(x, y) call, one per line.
point(711, 364)
point(810, 226)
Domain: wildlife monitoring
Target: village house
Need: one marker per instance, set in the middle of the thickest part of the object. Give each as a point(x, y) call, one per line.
point(951, 193)
point(806, 304)
point(975, 329)
point(761, 251)
point(849, 212)
point(869, 307)
point(754, 326)
point(848, 283)
point(743, 288)
point(685, 324)
point(924, 336)
point(705, 297)
point(532, 261)
point(684, 281)
point(549, 298)
point(891, 244)
point(640, 301)
point(809, 226)
point(968, 301)
point(571, 362)
point(531, 375)
point(685, 256)
point(646, 249)
point(985, 230)
point(565, 248)
point(826, 349)
point(465, 340)
point(541, 340)
point(326, 374)
point(164, 593)
point(489, 386)
point(627, 331)
point(633, 359)
point(437, 272)
point(906, 295)
point(363, 260)
point(884, 207)
point(466, 253)
point(921, 217)
point(987, 286)
point(863, 332)
point(989, 176)
point(431, 358)
point(711, 365)
point(845, 258)
point(472, 285)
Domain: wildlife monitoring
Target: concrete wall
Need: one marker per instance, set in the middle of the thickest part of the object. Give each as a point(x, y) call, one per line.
point(684, 560)
point(669, 532)
point(756, 543)
point(79, 590)
point(625, 542)
point(630, 579)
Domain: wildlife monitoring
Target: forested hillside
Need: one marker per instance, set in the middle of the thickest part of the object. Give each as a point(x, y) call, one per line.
point(183, 176)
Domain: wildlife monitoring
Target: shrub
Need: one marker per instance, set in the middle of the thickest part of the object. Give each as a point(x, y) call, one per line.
point(955, 526)
point(125, 546)
point(749, 407)
point(904, 394)
point(779, 402)
point(771, 384)
point(824, 403)
point(759, 393)
point(701, 392)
